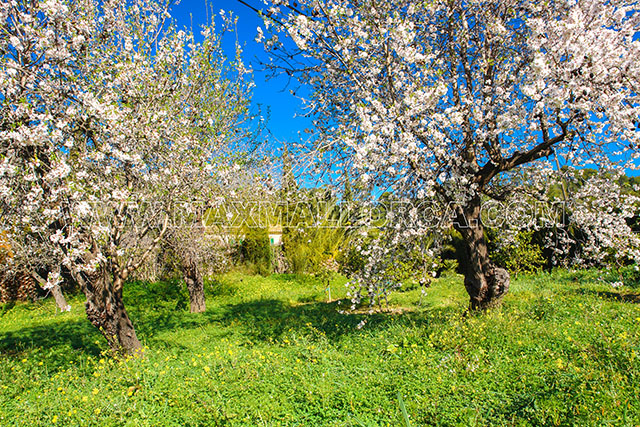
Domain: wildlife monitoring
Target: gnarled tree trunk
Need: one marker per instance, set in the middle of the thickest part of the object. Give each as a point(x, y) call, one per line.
point(486, 284)
point(105, 310)
point(195, 285)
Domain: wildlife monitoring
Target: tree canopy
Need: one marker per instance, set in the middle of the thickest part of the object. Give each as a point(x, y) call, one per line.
point(449, 100)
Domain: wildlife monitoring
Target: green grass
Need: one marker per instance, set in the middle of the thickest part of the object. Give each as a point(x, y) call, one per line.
point(562, 350)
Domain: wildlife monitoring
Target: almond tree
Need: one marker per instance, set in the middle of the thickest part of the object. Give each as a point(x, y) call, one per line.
point(110, 116)
point(447, 100)
point(198, 250)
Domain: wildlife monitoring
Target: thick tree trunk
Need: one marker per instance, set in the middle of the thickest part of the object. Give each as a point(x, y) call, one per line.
point(105, 310)
point(195, 285)
point(486, 284)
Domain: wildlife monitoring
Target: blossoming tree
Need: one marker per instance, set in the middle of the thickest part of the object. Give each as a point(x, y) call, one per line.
point(448, 100)
point(110, 117)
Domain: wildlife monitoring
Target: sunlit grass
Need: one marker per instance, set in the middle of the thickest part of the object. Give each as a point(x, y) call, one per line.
point(562, 350)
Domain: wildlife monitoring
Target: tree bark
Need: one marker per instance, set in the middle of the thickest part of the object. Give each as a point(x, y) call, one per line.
point(486, 284)
point(195, 285)
point(17, 287)
point(58, 296)
point(106, 311)
point(56, 291)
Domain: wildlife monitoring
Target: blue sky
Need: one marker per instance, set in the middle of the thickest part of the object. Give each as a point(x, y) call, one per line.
point(286, 120)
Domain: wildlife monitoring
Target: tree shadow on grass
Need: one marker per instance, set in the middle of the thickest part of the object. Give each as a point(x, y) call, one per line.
point(600, 277)
point(270, 319)
point(148, 323)
point(261, 320)
point(163, 307)
point(609, 295)
point(156, 309)
point(56, 345)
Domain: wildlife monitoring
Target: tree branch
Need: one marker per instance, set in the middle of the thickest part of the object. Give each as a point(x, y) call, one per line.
point(544, 149)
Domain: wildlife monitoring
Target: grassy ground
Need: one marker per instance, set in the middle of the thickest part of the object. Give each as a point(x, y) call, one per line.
point(562, 350)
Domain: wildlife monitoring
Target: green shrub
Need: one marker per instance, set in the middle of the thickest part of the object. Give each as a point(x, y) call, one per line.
point(524, 255)
point(448, 267)
point(351, 261)
point(255, 250)
point(452, 252)
point(297, 253)
point(306, 249)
